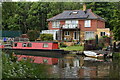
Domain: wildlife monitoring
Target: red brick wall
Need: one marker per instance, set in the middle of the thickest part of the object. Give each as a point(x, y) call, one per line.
point(92, 28)
point(94, 25)
point(100, 24)
point(62, 22)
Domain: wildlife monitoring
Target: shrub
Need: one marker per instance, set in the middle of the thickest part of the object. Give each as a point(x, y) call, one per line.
point(63, 45)
point(33, 35)
point(46, 37)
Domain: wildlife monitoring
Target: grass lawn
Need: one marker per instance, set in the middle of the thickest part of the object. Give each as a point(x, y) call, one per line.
point(77, 48)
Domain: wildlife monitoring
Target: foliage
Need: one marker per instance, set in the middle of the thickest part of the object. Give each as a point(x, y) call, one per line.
point(63, 45)
point(46, 37)
point(33, 35)
point(104, 37)
point(22, 69)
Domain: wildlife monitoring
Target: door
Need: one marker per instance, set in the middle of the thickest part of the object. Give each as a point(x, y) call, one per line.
point(75, 35)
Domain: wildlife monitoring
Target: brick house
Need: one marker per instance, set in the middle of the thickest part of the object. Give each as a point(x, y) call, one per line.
point(76, 25)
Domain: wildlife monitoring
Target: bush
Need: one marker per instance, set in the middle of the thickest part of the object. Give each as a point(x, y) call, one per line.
point(46, 37)
point(33, 35)
point(63, 45)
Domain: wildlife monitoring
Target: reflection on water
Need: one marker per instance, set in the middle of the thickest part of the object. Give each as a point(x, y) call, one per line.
point(78, 66)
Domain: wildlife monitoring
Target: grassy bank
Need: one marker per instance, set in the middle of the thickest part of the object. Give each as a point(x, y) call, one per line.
point(77, 48)
point(116, 55)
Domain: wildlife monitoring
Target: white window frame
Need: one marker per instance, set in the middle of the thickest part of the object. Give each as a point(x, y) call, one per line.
point(71, 22)
point(87, 23)
point(67, 33)
point(56, 24)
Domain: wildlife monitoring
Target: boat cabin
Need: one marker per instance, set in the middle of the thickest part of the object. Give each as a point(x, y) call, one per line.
point(35, 45)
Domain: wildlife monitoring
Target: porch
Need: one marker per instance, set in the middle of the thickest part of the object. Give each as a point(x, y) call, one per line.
point(69, 33)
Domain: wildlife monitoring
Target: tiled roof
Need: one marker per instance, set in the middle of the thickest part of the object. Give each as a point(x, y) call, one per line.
point(76, 14)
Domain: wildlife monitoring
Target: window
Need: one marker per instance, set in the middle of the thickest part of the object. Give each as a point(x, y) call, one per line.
point(102, 33)
point(45, 60)
point(29, 45)
point(24, 45)
point(87, 23)
point(24, 58)
point(45, 45)
point(15, 44)
point(56, 24)
point(89, 35)
point(73, 22)
point(67, 33)
point(75, 35)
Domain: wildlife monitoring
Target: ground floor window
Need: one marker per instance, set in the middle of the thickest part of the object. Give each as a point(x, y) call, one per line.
point(102, 33)
point(89, 35)
point(67, 33)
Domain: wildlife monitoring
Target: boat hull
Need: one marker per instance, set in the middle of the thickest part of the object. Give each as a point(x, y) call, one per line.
point(39, 52)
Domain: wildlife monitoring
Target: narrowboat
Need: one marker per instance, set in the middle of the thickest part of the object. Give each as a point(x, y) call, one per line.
point(36, 48)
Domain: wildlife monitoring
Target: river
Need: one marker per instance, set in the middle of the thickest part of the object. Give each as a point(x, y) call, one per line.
point(78, 66)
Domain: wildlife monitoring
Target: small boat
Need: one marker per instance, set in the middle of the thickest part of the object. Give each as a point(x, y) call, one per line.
point(93, 54)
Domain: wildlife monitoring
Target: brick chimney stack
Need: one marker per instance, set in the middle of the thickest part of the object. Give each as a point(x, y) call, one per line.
point(84, 7)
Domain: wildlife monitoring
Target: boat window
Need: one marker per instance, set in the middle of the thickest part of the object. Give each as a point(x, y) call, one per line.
point(24, 45)
point(45, 45)
point(45, 60)
point(29, 45)
point(24, 58)
point(15, 44)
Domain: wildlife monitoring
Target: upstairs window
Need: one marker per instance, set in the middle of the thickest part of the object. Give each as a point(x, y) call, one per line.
point(56, 24)
point(71, 22)
point(87, 23)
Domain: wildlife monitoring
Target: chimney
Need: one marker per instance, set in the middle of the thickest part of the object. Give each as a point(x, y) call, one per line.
point(84, 7)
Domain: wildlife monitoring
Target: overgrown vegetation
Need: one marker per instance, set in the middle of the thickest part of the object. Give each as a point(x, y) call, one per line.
point(46, 37)
point(22, 69)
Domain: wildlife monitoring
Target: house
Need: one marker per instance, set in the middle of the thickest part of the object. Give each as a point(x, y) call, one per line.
point(77, 25)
